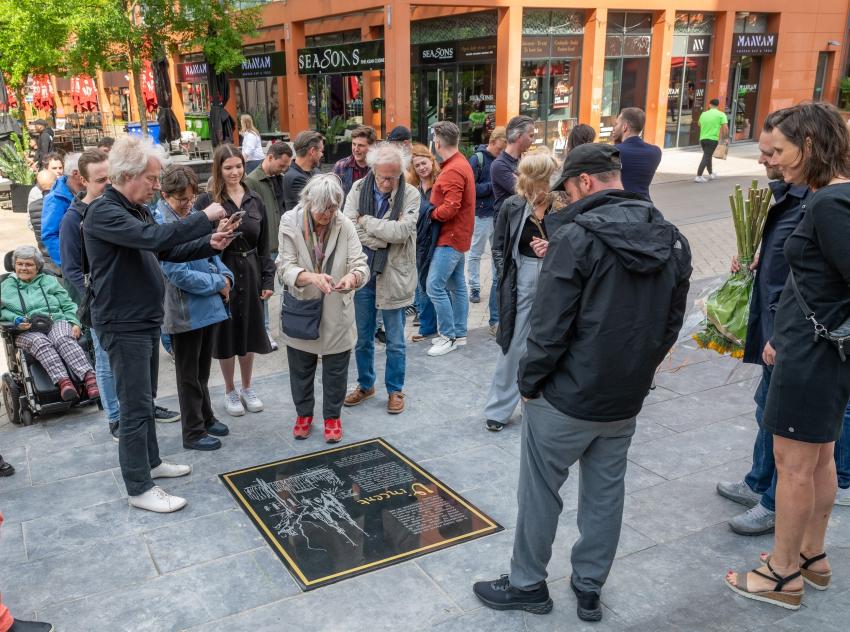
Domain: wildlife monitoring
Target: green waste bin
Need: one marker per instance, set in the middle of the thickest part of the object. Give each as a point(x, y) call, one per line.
point(200, 124)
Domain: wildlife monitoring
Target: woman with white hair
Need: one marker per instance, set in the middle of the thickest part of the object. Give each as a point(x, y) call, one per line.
point(124, 245)
point(320, 262)
point(46, 318)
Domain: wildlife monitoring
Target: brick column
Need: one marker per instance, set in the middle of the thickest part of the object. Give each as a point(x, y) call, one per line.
point(721, 56)
point(508, 63)
point(296, 85)
point(659, 76)
point(371, 85)
point(397, 63)
point(592, 65)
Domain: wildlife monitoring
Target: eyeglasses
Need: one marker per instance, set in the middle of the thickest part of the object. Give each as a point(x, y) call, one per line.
point(184, 201)
point(385, 178)
point(152, 179)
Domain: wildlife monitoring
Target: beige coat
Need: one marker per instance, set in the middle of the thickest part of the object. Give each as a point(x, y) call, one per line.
point(396, 285)
point(337, 331)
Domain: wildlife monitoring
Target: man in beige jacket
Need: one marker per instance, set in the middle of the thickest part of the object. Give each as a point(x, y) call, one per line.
point(384, 208)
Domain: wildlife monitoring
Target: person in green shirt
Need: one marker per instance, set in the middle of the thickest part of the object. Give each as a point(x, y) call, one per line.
point(713, 128)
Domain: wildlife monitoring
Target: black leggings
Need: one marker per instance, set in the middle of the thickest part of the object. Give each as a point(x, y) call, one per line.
point(708, 147)
point(302, 375)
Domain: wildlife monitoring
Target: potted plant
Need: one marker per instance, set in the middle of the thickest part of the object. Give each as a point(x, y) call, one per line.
point(14, 166)
point(335, 147)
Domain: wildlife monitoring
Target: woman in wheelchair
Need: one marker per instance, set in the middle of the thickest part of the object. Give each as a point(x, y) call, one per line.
point(45, 323)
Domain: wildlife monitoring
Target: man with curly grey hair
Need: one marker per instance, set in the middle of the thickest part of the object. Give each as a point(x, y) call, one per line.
point(384, 209)
point(124, 246)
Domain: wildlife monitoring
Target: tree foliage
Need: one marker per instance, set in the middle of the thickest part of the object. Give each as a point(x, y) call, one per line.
point(33, 38)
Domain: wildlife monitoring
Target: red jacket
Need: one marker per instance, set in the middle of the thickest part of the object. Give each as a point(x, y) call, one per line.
point(453, 197)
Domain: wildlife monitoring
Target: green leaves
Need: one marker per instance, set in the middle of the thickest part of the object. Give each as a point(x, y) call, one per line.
point(13, 161)
point(33, 37)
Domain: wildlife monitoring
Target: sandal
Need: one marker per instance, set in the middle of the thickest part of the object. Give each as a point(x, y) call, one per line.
point(790, 600)
point(818, 581)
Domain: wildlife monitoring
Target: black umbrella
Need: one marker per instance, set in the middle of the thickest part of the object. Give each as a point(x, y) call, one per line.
point(4, 95)
point(169, 128)
point(221, 123)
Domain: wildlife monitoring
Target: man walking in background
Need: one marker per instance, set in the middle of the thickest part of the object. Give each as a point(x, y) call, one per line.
point(713, 128)
point(520, 136)
point(639, 158)
point(309, 148)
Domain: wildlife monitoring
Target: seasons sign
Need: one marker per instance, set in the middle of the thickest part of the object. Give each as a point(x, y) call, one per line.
point(341, 58)
point(754, 44)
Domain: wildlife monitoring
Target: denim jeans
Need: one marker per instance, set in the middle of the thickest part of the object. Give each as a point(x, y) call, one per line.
point(364, 352)
point(166, 343)
point(105, 381)
point(762, 476)
point(134, 358)
point(427, 315)
point(446, 288)
point(483, 233)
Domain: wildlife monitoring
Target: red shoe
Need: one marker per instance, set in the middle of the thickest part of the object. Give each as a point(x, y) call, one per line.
point(90, 382)
point(67, 391)
point(333, 430)
point(302, 428)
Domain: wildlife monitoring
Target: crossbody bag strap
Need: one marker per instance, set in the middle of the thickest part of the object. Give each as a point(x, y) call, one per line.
point(807, 311)
point(21, 297)
point(85, 259)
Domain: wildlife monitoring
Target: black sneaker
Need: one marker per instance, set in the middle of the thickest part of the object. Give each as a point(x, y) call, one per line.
point(474, 296)
point(494, 426)
point(500, 595)
point(589, 608)
point(218, 429)
point(381, 336)
point(31, 626)
point(165, 416)
point(113, 430)
point(205, 444)
point(6, 469)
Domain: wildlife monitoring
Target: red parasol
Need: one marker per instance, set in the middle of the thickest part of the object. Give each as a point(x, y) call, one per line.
point(42, 97)
point(148, 88)
point(88, 94)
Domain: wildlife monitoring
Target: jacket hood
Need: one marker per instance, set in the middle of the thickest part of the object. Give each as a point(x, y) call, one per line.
point(631, 227)
point(481, 147)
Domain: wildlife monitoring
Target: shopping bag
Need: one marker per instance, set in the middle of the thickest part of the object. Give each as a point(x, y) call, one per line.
point(721, 151)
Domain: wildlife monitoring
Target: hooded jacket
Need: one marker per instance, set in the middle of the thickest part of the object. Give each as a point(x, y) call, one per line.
point(610, 301)
point(56, 203)
point(480, 162)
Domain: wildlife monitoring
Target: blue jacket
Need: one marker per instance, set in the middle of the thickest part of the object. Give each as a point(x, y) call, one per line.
point(772, 272)
point(639, 160)
point(192, 299)
point(70, 246)
point(55, 204)
point(483, 187)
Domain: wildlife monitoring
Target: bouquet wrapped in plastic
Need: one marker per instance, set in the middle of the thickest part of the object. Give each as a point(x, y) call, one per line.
point(727, 308)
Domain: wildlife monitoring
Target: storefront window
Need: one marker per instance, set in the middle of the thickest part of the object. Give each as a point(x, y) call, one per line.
point(743, 92)
point(688, 78)
point(258, 96)
point(196, 97)
point(751, 22)
point(335, 97)
point(454, 27)
point(626, 71)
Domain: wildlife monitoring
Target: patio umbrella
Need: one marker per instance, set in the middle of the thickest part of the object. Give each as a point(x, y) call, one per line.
point(42, 93)
point(87, 94)
point(169, 128)
point(221, 123)
point(4, 95)
point(148, 90)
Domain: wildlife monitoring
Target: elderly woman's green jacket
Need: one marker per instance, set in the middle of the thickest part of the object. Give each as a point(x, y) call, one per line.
point(42, 295)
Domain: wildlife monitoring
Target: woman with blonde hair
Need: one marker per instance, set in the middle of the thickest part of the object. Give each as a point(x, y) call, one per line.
point(422, 173)
point(520, 239)
point(252, 144)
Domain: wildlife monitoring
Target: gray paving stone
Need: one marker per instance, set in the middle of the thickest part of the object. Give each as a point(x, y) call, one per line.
point(705, 375)
point(202, 539)
point(564, 617)
point(17, 457)
point(53, 534)
point(12, 548)
point(646, 430)
point(28, 503)
point(703, 408)
point(500, 503)
point(465, 470)
point(487, 620)
point(74, 461)
point(14, 436)
point(695, 450)
point(95, 569)
point(638, 478)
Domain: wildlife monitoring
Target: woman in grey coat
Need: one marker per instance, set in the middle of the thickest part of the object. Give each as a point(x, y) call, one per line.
point(520, 240)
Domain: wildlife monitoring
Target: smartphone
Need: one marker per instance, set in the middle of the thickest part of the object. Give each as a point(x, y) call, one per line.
point(235, 235)
point(236, 215)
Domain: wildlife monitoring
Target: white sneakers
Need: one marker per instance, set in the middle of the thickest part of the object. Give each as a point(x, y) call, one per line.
point(842, 497)
point(253, 403)
point(712, 176)
point(158, 500)
point(233, 404)
point(460, 341)
point(441, 345)
point(170, 470)
point(700, 179)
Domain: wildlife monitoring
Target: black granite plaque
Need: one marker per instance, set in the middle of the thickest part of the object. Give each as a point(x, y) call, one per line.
point(342, 512)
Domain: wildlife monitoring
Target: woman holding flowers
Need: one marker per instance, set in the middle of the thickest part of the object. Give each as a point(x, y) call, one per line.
point(810, 385)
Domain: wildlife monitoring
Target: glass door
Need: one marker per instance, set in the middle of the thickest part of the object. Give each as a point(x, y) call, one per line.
point(743, 96)
point(685, 100)
point(437, 100)
point(820, 75)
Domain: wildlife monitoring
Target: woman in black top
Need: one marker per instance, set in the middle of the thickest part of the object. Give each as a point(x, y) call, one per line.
point(243, 334)
point(520, 238)
point(810, 384)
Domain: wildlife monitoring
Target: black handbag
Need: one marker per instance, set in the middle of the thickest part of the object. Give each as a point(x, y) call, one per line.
point(301, 318)
point(838, 337)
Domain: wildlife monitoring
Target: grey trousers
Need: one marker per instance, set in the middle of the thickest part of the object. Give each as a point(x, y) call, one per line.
point(551, 443)
point(504, 390)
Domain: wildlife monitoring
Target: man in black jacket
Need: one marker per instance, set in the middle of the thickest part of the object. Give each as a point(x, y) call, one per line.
point(309, 148)
point(123, 246)
point(610, 302)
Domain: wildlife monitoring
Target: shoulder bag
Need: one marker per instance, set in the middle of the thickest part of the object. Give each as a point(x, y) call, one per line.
point(838, 337)
point(84, 310)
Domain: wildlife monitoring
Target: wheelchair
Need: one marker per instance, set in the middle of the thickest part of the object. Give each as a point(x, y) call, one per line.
point(27, 390)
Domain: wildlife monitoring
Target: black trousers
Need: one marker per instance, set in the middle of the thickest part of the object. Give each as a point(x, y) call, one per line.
point(708, 147)
point(134, 359)
point(192, 360)
point(302, 375)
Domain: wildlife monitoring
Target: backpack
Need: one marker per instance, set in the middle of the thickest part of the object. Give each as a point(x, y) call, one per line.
point(479, 155)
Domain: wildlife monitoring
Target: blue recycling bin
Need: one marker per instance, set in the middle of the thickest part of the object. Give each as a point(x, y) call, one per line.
point(136, 130)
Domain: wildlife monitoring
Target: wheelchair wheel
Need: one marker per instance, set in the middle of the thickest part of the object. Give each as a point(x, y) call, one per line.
point(12, 400)
point(26, 417)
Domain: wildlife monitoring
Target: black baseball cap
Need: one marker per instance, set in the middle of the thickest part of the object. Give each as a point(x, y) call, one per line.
point(399, 134)
point(589, 158)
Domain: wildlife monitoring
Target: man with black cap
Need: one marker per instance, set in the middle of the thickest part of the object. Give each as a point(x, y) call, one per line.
point(610, 302)
point(401, 135)
point(45, 142)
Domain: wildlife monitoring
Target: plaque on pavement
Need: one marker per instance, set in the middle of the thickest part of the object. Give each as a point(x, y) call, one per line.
point(338, 513)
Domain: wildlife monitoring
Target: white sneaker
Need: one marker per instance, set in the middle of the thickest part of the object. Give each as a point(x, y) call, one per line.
point(253, 403)
point(842, 497)
point(273, 342)
point(460, 341)
point(700, 179)
point(233, 405)
point(158, 500)
point(170, 470)
point(438, 339)
point(712, 176)
point(442, 346)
